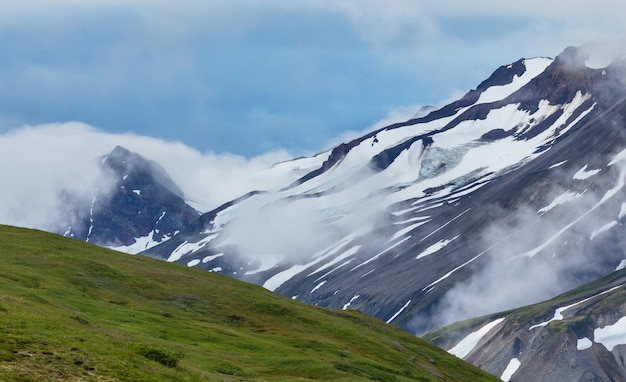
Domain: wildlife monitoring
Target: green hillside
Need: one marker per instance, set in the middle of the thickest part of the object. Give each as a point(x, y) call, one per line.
point(76, 312)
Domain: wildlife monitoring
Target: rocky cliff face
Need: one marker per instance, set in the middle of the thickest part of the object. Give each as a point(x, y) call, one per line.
point(139, 207)
point(578, 336)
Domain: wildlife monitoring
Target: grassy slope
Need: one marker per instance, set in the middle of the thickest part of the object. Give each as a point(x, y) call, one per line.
point(71, 311)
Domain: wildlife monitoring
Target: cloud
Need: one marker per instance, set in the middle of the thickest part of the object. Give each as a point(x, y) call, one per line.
point(538, 253)
point(200, 71)
point(42, 161)
point(276, 228)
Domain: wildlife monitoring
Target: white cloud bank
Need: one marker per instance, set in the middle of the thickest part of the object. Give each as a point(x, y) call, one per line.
point(39, 162)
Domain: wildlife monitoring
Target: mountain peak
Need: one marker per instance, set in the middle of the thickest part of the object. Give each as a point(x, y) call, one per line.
point(140, 207)
point(504, 75)
point(124, 162)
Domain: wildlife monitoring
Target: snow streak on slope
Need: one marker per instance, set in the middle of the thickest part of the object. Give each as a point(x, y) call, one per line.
point(279, 278)
point(187, 248)
point(398, 312)
point(533, 68)
point(510, 369)
point(561, 199)
point(467, 344)
point(609, 194)
point(435, 247)
point(141, 244)
point(558, 313)
point(583, 173)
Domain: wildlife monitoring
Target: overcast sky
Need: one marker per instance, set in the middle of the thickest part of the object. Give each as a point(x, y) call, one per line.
point(215, 90)
point(249, 76)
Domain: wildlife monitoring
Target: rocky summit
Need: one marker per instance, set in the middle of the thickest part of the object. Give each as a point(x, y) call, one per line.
point(138, 206)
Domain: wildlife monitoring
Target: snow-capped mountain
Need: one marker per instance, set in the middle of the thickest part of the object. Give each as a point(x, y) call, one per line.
point(514, 193)
point(137, 207)
point(578, 336)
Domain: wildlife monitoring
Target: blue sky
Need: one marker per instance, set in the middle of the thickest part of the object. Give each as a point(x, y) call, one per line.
point(249, 77)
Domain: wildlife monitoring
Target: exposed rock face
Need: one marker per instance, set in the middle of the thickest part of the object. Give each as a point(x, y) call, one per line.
point(140, 202)
point(579, 336)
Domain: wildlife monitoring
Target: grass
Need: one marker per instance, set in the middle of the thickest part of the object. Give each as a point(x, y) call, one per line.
point(70, 311)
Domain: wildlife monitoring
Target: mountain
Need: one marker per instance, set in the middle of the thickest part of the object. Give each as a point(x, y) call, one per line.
point(137, 207)
point(508, 196)
point(577, 336)
point(89, 313)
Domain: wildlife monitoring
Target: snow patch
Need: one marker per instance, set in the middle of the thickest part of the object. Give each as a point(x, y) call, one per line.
point(336, 260)
point(193, 263)
point(406, 230)
point(212, 257)
point(467, 344)
point(398, 312)
point(381, 253)
point(561, 199)
point(186, 248)
point(510, 369)
point(350, 302)
point(557, 164)
point(618, 158)
point(141, 244)
point(160, 217)
point(318, 286)
point(414, 219)
point(622, 211)
point(609, 194)
point(443, 226)
point(583, 343)
point(604, 228)
point(621, 265)
point(611, 335)
point(280, 278)
point(93, 202)
point(583, 174)
point(375, 269)
point(138, 192)
point(430, 286)
point(436, 247)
